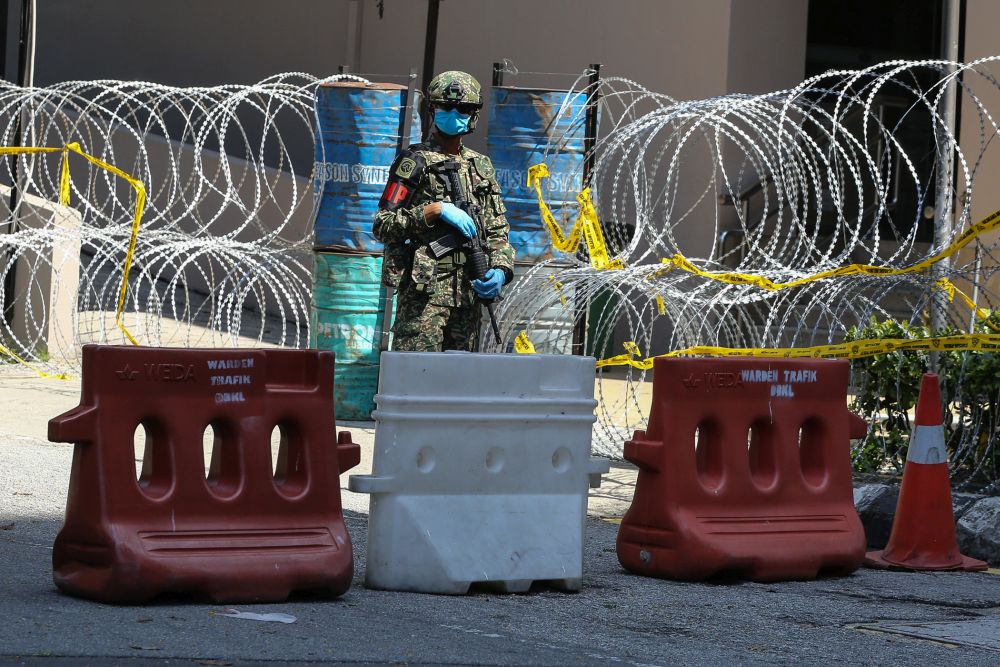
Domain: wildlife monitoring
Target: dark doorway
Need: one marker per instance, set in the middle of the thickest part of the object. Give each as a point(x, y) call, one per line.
point(855, 34)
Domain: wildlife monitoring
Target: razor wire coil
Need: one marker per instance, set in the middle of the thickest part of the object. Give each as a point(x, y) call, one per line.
point(782, 185)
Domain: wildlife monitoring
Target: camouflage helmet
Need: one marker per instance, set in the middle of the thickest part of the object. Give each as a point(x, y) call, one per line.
point(456, 88)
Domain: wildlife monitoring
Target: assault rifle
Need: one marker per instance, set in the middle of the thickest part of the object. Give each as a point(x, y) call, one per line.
point(477, 261)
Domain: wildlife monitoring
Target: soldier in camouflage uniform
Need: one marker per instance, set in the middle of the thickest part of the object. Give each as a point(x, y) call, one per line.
point(437, 304)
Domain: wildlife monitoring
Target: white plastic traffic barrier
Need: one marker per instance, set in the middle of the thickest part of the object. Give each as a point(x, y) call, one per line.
point(480, 471)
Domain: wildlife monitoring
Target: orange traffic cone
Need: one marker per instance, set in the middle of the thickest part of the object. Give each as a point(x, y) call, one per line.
point(923, 530)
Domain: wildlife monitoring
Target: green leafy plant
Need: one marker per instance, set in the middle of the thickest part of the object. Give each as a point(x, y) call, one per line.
point(886, 390)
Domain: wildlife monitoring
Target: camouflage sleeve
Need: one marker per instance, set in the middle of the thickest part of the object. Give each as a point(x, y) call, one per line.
point(497, 230)
point(400, 209)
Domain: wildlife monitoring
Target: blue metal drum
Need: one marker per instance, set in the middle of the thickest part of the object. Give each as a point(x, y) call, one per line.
point(523, 121)
point(347, 318)
point(356, 142)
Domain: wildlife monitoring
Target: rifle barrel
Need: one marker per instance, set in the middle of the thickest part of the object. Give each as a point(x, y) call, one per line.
point(475, 245)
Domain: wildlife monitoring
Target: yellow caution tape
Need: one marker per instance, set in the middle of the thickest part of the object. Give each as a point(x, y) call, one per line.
point(140, 205)
point(593, 235)
point(987, 224)
point(559, 240)
point(952, 291)
point(632, 348)
point(25, 150)
point(587, 226)
point(64, 200)
point(7, 352)
point(64, 193)
point(558, 287)
point(523, 344)
point(63, 169)
point(851, 350)
point(661, 305)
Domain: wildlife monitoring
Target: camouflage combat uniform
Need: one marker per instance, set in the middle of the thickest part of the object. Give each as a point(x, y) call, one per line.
point(436, 306)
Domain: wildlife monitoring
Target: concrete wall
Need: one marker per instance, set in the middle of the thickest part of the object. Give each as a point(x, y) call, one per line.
point(689, 50)
point(46, 283)
point(189, 42)
point(982, 16)
point(767, 45)
point(685, 49)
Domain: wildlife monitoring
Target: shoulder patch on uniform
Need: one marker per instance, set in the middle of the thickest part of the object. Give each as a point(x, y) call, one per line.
point(403, 180)
point(484, 166)
point(406, 167)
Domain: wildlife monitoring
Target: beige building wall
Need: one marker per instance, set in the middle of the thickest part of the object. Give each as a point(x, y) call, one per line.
point(982, 17)
point(189, 42)
point(47, 282)
point(767, 45)
point(688, 50)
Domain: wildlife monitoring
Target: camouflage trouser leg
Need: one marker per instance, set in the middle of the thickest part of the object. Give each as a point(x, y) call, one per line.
point(424, 327)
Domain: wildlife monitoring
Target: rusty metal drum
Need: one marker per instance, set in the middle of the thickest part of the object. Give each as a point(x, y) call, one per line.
point(357, 139)
point(523, 122)
point(347, 318)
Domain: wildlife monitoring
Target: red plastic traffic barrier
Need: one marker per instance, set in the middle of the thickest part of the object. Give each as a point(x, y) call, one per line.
point(923, 530)
point(241, 532)
point(744, 469)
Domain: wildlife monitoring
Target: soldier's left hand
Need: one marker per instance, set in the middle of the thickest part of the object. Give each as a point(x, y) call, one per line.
point(489, 286)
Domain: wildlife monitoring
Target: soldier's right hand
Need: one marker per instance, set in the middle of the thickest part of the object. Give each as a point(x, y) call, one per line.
point(458, 219)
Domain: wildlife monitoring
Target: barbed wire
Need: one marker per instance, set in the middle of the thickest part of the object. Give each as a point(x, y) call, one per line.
point(839, 170)
point(223, 253)
point(836, 171)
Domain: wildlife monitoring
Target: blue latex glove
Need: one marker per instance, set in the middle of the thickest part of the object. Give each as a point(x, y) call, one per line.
point(458, 219)
point(489, 286)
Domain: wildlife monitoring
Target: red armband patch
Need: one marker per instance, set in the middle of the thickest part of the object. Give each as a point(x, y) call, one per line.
point(394, 196)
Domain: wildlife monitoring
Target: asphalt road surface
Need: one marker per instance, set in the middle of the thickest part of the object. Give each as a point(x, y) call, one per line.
point(872, 617)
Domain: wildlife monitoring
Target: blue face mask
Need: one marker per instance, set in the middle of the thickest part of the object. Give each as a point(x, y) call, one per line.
point(451, 122)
